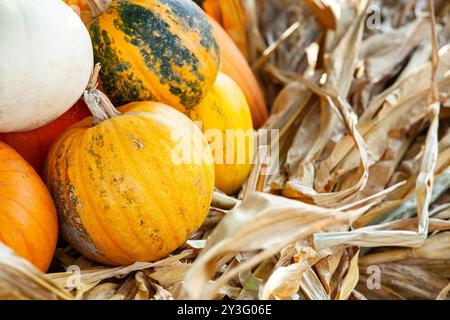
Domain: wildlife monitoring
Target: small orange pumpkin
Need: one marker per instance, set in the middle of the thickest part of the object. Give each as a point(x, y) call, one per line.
point(28, 221)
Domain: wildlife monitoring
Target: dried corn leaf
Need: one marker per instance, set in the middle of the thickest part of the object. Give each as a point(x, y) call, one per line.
point(411, 282)
point(311, 286)
point(284, 283)
point(382, 52)
point(424, 187)
point(161, 293)
point(435, 247)
point(326, 11)
point(170, 275)
point(127, 291)
point(350, 280)
point(143, 286)
point(103, 291)
point(338, 63)
point(326, 267)
point(20, 280)
point(84, 280)
point(247, 228)
point(443, 293)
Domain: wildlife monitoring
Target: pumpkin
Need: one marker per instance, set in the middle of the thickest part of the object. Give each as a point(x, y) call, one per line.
point(122, 189)
point(46, 61)
point(28, 220)
point(233, 64)
point(224, 117)
point(34, 145)
point(232, 15)
point(158, 50)
point(212, 8)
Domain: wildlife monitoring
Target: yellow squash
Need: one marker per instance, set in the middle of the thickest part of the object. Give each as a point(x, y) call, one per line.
point(225, 119)
point(121, 192)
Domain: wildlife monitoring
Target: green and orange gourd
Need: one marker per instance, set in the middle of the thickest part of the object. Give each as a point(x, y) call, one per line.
point(154, 50)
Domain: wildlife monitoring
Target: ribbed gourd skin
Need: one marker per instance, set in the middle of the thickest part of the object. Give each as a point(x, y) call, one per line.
point(155, 50)
point(28, 220)
point(120, 196)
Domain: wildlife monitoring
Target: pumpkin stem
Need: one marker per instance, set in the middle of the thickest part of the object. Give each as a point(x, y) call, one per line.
point(97, 7)
point(98, 103)
point(94, 77)
point(101, 108)
point(107, 106)
point(92, 99)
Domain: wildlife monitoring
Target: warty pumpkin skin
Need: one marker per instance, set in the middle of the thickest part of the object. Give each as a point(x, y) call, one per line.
point(120, 196)
point(225, 108)
point(34, 145)
point(233, 64)
point(28, 220)
point(155, 50)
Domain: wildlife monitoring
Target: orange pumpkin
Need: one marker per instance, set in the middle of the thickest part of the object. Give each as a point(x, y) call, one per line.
point(233, 16)
point(34, 145)
point(212, 8)
point(121, 192)
point(28, 221)
point(233, 64)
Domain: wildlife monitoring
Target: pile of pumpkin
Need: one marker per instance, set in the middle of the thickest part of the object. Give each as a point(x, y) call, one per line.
point(107, 173)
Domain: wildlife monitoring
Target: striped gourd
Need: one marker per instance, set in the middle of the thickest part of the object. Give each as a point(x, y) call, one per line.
point(160, 50)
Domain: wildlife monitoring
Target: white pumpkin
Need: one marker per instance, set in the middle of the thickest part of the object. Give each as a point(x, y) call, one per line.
point(46, 60)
